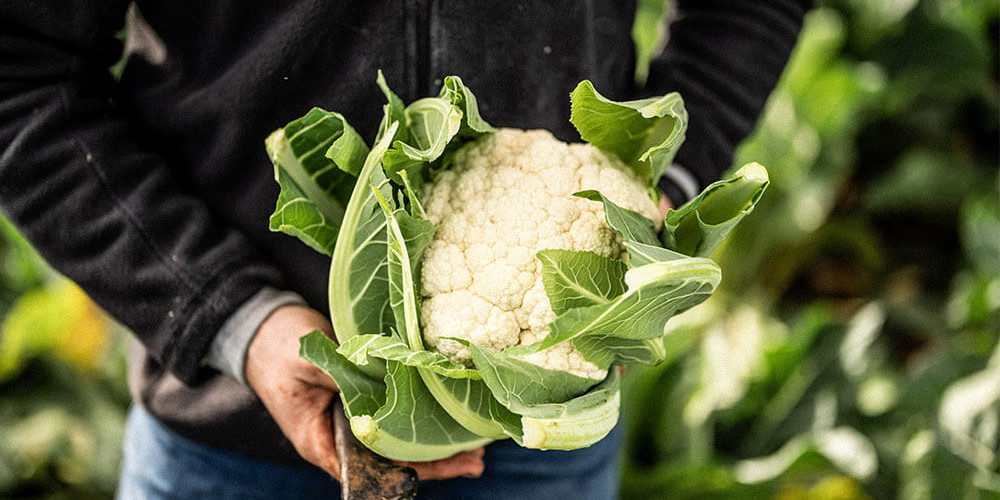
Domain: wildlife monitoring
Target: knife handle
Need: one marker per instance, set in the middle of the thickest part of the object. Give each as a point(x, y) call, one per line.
point(365, 475)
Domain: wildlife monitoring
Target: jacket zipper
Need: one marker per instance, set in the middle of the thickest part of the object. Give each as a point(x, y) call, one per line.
point(418, 34)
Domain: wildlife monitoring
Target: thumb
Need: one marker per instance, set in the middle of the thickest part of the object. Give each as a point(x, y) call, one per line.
point(311, 375)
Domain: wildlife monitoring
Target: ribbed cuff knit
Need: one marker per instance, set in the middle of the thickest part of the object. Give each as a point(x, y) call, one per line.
point(228, 352)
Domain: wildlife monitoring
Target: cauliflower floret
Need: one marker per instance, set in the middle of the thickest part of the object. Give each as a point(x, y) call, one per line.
point(506, 197)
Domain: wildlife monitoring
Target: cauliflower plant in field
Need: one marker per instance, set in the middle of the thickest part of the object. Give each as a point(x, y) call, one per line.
point(505, 197)
point(484, 282)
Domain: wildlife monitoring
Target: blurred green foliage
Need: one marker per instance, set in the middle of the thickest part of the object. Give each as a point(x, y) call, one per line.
point(62, 383)
point(852, 352)
point(649, 34)
point(853, 349)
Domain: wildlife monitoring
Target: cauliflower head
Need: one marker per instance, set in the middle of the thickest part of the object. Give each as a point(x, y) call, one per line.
point(507, 196)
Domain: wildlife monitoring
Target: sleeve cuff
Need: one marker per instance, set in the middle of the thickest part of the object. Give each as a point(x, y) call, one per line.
point(678, 185)
point(228, 352)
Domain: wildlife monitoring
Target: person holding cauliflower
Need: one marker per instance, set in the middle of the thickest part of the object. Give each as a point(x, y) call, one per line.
point(151, 191)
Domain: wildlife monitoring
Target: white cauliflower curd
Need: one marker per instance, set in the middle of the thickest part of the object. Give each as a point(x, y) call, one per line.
point(507, 196)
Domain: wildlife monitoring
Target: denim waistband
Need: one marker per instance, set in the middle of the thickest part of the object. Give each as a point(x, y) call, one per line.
point(159, 464)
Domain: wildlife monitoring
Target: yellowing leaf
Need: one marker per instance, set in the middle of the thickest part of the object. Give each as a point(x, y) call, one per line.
point(58, 318)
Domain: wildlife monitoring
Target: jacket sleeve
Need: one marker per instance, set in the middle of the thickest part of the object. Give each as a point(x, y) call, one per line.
point(95, 200)
point(725, 58)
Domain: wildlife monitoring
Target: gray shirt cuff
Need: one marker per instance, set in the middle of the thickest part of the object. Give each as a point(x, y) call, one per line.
point(228, 352)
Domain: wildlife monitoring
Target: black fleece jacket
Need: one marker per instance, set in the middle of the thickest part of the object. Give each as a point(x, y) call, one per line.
point(153, 192)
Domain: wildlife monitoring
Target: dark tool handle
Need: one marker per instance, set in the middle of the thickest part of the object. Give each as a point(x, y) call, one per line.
point(365, 475)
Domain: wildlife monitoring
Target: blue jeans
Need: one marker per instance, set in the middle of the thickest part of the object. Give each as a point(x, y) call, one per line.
point(159, 464)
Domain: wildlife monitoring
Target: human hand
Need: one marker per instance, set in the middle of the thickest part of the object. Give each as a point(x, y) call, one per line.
point(298, 395)
point(665, 205)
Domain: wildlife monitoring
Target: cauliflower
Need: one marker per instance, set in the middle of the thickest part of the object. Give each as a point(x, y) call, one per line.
point(444, 270)
point(505, 197)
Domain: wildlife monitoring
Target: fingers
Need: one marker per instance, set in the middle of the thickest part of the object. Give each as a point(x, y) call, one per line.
point(297, 394)
point(665, 205)
point(305, 419)
point(466, 464)
point(324, 449)
point(310, 375)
